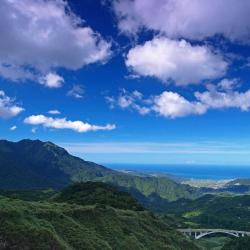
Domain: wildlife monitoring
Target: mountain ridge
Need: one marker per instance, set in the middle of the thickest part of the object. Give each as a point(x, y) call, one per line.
point(34, 164)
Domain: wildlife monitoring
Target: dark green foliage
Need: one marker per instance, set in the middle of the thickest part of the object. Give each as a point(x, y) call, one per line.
point(238, 244)
point(29, 195)
point(50, 225)
point(41, 165)
point(211, 211)
point(213, 242)
point(93, 193)
point(35, 164)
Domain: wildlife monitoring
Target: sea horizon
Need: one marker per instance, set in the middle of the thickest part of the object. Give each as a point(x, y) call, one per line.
point(190, 171)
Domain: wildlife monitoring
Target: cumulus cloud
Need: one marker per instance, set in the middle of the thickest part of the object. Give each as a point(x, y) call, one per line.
point(178, 61)
point(173, 105)
point(8, 108)
point(168, 104)
point(63, 123)
point(40, 36)
point(76, 91)
point(52, 80)
point(54, 112)
point(186, 19)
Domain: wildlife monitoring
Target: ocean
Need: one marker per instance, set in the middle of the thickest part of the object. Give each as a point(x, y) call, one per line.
point(189, 171)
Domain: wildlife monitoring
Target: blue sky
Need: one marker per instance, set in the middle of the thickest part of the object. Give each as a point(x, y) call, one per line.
point(163, 82)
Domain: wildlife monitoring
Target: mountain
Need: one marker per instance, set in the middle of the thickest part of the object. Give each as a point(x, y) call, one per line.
point(33, 164)
point(90, 221)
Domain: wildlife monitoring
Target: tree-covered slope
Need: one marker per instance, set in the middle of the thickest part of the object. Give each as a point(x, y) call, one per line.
point(238, 244)
point(60, 225)
point(35, 164)
point(97, 193)
point(212, 211)
point(163, 187)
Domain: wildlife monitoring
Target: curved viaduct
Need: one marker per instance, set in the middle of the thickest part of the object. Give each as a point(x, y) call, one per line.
point(199, 233)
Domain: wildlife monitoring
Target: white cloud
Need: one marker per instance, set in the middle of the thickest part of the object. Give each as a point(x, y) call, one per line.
point(62, 123)
point(220, 100)
point(228, 84)
point(40, 36)
point(54, 112)
point(52, 80)
point(77, 92)
point(7, 107)
point(186, 19)
point(126, 100)
point(172, 105)
point(178, 61)
point(13, 128)
point(15, 73)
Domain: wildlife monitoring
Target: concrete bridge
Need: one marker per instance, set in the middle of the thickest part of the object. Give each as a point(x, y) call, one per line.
point(199, 233)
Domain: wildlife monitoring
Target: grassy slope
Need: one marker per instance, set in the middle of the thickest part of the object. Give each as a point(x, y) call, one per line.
point(66, 225)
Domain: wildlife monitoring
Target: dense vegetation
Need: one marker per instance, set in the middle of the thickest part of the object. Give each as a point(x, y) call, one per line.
point(93, 193)
point(213, 242)
point(34, 165)
point(76, 223)
point(155, 186)
point(230, 212)
point(29, 195)
point(238, 244)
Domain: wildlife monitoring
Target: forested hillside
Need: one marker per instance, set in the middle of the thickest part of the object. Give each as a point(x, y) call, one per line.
point(76, 219)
